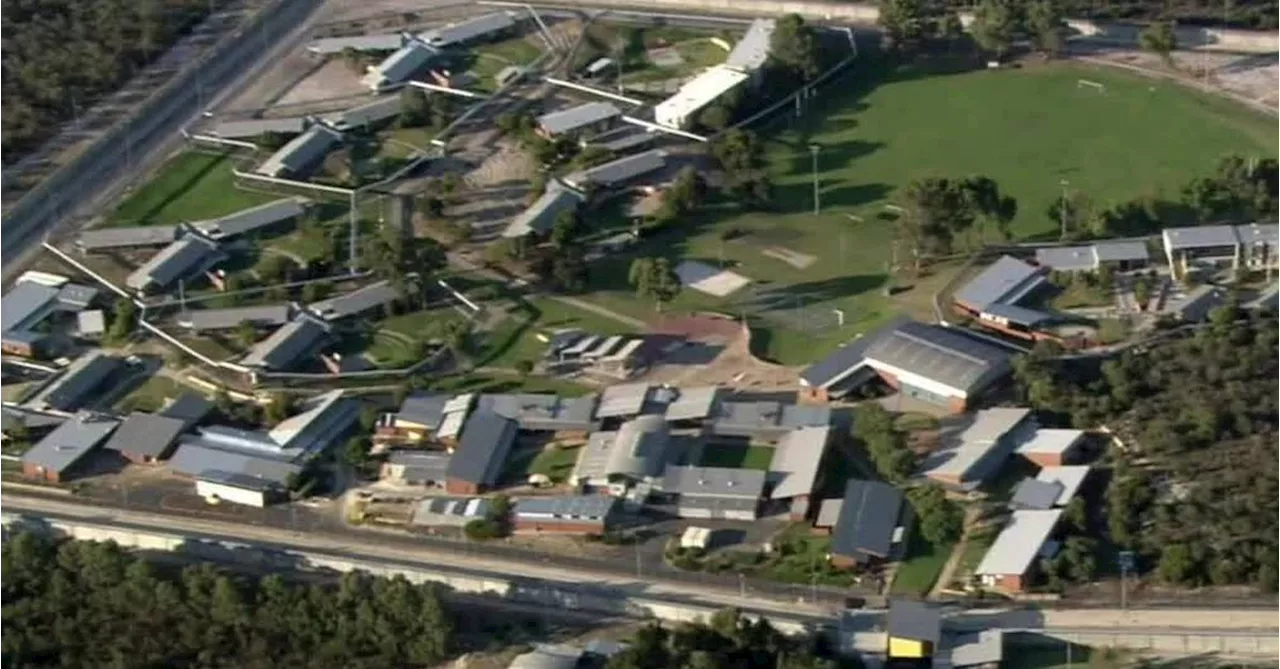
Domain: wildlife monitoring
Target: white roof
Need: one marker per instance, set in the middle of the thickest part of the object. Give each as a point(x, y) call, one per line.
point(1070, 478)
point(752, 51)
point(693, 403)
point(1019, 543)
point(1051, 441)
point(624, 399)
point(794, 469)
point(699, 92)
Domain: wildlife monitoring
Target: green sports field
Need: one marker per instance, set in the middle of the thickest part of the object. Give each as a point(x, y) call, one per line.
point(191, 186)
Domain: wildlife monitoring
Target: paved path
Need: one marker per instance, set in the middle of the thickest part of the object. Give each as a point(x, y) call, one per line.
point(599, 310)
point(971, 515)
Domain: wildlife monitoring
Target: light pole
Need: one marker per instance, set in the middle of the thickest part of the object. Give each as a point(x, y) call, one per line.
point(814, 148)
point(742, 586)
point(1062, 208)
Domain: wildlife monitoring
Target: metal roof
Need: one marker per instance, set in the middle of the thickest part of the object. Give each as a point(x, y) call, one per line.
point(226, 319)
point(186, 257)
point(1066, 258)
point(399, 66)
point(118, 238)
point(567, 508)
point(1055, 441)
point(1268, 298)
point(542, 412)
point(259, 126)
point(639, 449)
point(77, 383)
point(752, 51)
point(69, 442)
point(300, 337)
point(91, 323)
point(326, 419)
point(188, 407)
point(1035, 494)
point(483, 449)
point(971, 649)
point(695, 94)
point(75, 295)
point(623, 139)
point(573, 118)
point(1019, 543)
point(548, 657)
point(1259, 233)
point(977, 451)
point(331, 45)
point(460, 508)
point(693, 403)
point(701, 506)
point(1016, 314)
point(542, 214)
point(624, 399)
point(357, 301)
point(941, 355)
point(845, 360)
point(794, 469)
point(1007, 281)
point(465, 31)
point(714, 482)
point(24, 304)
point(301, 152)
point(368, 113)
point(1196, 305)
point(146, 434)
point(423, 409)
point(913, 620)
point(253, 218)
point(829, 513)
point(201, 459)
point(1120, 251)
point(1070, 478)
point(421, 466)
point(1203, 236)
point(868, 517)
point(12, 416)
point(616, 172)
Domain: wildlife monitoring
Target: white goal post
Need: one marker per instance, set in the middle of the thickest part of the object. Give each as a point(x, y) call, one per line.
point(1085, 83)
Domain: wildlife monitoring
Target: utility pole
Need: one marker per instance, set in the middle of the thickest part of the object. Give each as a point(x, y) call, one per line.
point(1062, 208)
point(814, 148)
point(351, 241)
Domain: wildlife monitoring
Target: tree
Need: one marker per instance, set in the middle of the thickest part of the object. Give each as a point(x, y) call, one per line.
point(795, 47)
point(245, 334)
point(994, 24)
point(1075, 516)
point(1047, 25)
point(654, 279)
point(940, 520)
point(1177, 564)
point(279, 407)
point(990, 206)
point(934, 211)
point(355, 452)
point(124, 315)
point(524, 368)
point(1159, 38)
point(685, 195)
point(905, 22)
point(569, 270)
point(415, 108)
point(566, 228)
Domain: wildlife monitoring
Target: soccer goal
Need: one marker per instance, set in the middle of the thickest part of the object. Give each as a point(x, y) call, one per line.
point(1085, 83)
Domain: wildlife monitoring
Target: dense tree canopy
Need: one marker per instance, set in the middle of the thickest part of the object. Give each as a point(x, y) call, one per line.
point(59, 56)
point(79, 604)
point(1241, 13)
point(727, 641)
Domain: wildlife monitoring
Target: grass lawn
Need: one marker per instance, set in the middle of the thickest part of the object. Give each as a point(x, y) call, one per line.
point(975, 548)
point(556, 462)
point(401, 143)
point(880, 128)
point(801, 556)
point(427, 323)
point(192, 186)
point(516, 338)
point(917, 574)
point(151, 395)
point(490, 59)
point(737, 456)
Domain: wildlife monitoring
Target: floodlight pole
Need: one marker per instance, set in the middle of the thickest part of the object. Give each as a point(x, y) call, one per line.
point(1062, 209)
point(814, 148)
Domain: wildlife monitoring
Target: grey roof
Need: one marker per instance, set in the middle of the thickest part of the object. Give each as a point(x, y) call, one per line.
point(1203, 236)
point(567, 508)
point(238, 480)
point(793, 472)
point(913, 620)
point(91, 323)
point(1007, 281)
point(639, 448)
point(1016, 314)
point(69, 442)
point(368, 113)
point(465, 31)
point(829, 513)
point(868, 517)
point(970, 649)
point(615, 173)
point(77, 383)
point(542, 214)
point(399, 66)
point(1035, 494)
point(325, 419)
point(188, 407)
point(623, 399)
point(766, 419)
point(253, 218)
point(1259, 233)
point(623, 139)
point(421, 466)
point(483, 449)
point(146, 434)
point(693, 403)
point(1048, 440)
point(331, 45)
point(357, 301)
point(75, 295)
point(301, 152)
point(847, 359)
point(1268, 298)
point(296, 339)
point(714, 482)
point(548, 657)
point(945, 356)
point(199, 459)
point(698, 506)
point(226, 319)
point(1197, 303)
point(258, 126)
point(11, 416)
point(542, 412)
point(1066, 258)
point(423, 409)
point(456, 510)
point(1019, 543)
point(1069, 479)
point(25, 304)
point(1121, 251)
point(752, 51)
point(118, 238)
point(186, 257)
point(977, 451)
point(574, 118)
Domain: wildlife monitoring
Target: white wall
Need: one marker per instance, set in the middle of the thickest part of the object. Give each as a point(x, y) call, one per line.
point(226, 493)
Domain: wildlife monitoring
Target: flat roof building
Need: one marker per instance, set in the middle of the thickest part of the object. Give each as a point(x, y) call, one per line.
point(1122, 255)
point(1070, 479)
point(1007, 281)
point(369, 113)
point(256, 127)
point(302, 152)
point(145, 437)
point(765, 420)
point(456, 34)
point(327, 46)
point(355, 302)
point(1009, 563)
point(482, 451)
point(752, 51)
point(27, 304)
point(793, 472)
point(618, 172)
point(694, 404)
point(1208, 245)
point(589, 116)
point(451, 511)
point(975, 449)
point(638, 451)
point(425, 468)
point(104, 239)
point(715, 492)
point(680, 110)
point(206, 320)
point(579, 514)
point(400, 66)
point(54, 457)
point(78, 384)
point(543, 412)
point(253, 218)
point(190, 256)
point(1052, 447)
point(914, 629)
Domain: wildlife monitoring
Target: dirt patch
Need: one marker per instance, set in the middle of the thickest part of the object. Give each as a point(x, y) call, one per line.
point(334, 79)
point(1249, 76)
point(733, 367)
point(796, 259)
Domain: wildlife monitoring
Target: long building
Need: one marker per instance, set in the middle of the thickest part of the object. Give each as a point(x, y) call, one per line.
point(302, 152)
point(56, 457)
point(27, 304)
point(188, 257)
point(253, 219)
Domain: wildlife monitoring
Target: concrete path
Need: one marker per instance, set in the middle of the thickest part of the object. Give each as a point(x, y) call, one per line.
point(971, 515)
point(599, 310)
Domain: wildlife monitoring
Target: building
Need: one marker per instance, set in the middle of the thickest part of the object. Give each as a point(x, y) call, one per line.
point(1069, 478)
point(793, 472)
point(1010, 563)
point(1053, 447)
point(681, 109)
point(328, 46)
point(542, 215)
point(145, 438)
point(28, 304)
point(55, 457)
point(482, 451)
point(984, 648)
point(546, 656)
point(623, 400)
point(585, 118)
point(570, 514)
point(91, 324)
point(256, 127)
point(301, 337)
point(637, 452)
point(301, 153)
point(368, 114)
point(867, 525)
point(190, 256)
point(418, 417)
point(450, 511)
point(693, 406)
point(106, 239)
point(994, 298)
point(565, 417)
point(975, 448)
point(1268, 299)
point(217, 486)
point(845, 369)
point(1258, 245)
point(765, 420)
point(78, 385)
point(212, 320)
point(365, 298)
point(714, 492)
point(752, 51)
point(394, 70)
point(458, 34)
point(423, 468)
point(1121, 256)
point(1197, 304)
point(19, 423)
point(189, 408)
point(913, 631)
point(1201, 246)
point(254, 219)
point(623, 139)
point(616, 173)
point(1033, 494)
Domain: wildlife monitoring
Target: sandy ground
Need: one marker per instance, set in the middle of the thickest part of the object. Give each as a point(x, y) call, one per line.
point(1251, 76)
point(733, 365)
point(333, 79)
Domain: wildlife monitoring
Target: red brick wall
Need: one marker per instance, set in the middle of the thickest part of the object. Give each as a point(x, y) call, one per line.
point(812, 395)
point(1010, 582)
point(35, 472)
point(1045, 459)
point(582, 527)
point(842, 562)
point(457, 487)
point(957, 405)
